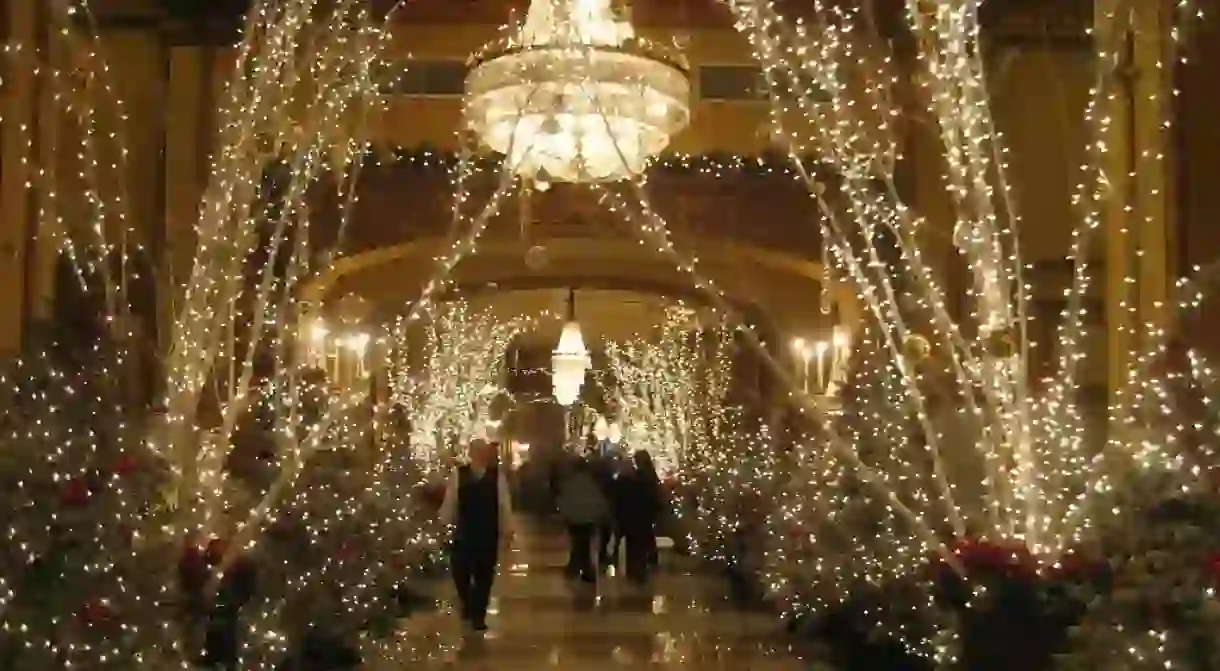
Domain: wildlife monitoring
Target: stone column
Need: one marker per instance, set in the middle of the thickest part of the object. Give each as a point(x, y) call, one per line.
point(1138, 214)
point(188, 135)
point(18, 133)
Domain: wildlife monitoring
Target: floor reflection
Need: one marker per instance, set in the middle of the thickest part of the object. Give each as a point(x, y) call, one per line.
point(541, 620)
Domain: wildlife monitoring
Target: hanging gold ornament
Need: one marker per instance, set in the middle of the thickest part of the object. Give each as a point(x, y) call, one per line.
point(1001, 344)
point(916, 348)
point(536, 258)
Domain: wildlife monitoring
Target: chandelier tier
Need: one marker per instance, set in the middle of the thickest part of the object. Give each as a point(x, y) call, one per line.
point(570, 360)
point(575, 96)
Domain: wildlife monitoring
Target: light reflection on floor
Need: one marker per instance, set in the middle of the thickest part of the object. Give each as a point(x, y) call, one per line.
point(540, 620)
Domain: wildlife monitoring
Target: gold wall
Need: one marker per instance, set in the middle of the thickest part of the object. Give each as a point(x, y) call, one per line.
point(170, 95)
point(736, 127)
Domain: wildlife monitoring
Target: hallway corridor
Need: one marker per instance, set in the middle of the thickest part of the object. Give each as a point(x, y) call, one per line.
point(541, 620)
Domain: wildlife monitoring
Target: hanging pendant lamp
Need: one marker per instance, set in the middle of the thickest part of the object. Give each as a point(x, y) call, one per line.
point(570, 360)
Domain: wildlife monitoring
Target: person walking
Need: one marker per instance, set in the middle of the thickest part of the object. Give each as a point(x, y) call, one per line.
point(582, 507)
point(608, 535)
point(478, 506)
point(640, 513)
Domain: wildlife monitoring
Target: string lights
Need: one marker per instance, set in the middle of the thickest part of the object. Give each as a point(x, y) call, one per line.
point(170, 510)
point(668, 389)
point(941, 449)
point(447, 373)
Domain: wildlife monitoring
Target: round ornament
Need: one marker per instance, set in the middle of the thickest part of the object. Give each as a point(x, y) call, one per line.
point(77, 492)
point(96, 612)
point(126, 463)
point(916, 348)
point(536, 258)
point(1001, 344)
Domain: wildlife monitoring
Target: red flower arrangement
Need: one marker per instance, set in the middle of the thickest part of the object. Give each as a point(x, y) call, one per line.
point(127, 463)
point(981, 556)
point(76, 492)
point(1212, 564)
point(95, 612)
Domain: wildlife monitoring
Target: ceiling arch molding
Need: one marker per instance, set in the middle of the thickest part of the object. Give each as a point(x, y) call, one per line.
point(708, 252)
point(778, 291)
point(480, 290)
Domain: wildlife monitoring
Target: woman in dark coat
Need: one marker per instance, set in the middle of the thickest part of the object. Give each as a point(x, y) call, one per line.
point(640, 512)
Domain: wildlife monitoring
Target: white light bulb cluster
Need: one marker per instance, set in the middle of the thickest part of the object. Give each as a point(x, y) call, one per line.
point(447, 372)
point(956, 444)
point(669, 387)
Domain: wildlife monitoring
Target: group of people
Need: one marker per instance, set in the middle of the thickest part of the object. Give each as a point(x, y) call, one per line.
point(607, 503)
point(610, 504)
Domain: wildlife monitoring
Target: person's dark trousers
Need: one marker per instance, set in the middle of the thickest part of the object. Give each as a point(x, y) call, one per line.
point(474, 569)
point(641, 547)
point(580, 555)
point(608, 540)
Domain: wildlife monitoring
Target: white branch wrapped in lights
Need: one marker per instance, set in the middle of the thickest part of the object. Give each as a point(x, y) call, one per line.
point(448, 389)
point(670, 390)
point(574, 96)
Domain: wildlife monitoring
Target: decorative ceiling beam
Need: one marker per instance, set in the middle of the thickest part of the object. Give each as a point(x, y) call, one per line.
point(681, 291)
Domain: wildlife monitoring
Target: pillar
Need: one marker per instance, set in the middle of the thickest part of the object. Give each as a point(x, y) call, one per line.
point(1139, 221)
point(18, 132)
point(188, 134)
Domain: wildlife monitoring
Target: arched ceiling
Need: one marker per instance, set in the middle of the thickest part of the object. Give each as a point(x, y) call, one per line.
point(604, 314)
point(779, 290)
point(754, 234)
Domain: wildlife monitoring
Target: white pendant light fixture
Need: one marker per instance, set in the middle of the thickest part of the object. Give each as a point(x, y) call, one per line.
point(570, 360)
point(601, 430)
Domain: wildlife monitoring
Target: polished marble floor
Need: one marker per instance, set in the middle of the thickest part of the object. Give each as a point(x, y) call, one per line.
point(541, 620)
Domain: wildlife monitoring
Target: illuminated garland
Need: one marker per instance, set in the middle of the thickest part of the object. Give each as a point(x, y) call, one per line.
point(711, 165)
point(668, 392)
point(448, 382)
point(1041, 490)
point(87, 570)
point(1041, 484)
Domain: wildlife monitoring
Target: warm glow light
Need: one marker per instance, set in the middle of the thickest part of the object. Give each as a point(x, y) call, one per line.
point(125, 499)
point(570, 362)
point(601, 430)
point(574, 97)
point(358, 343)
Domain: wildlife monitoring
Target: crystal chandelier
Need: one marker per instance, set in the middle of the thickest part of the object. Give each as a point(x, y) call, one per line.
point(570, 360)
point(575, 96)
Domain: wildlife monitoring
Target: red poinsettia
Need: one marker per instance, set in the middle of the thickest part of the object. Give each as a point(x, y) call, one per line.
point(1212, 564)
point(76, 492)
point(346, 552)
point(127, 463)
point(979, 555)
point(96, 612)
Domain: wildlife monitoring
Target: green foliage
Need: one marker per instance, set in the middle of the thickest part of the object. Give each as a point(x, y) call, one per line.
point(86, 574)
point(1158, 607)
point(338, 551)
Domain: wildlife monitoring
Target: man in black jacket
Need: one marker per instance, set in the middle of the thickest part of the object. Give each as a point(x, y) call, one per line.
point(606, 470)
point(478, 506)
